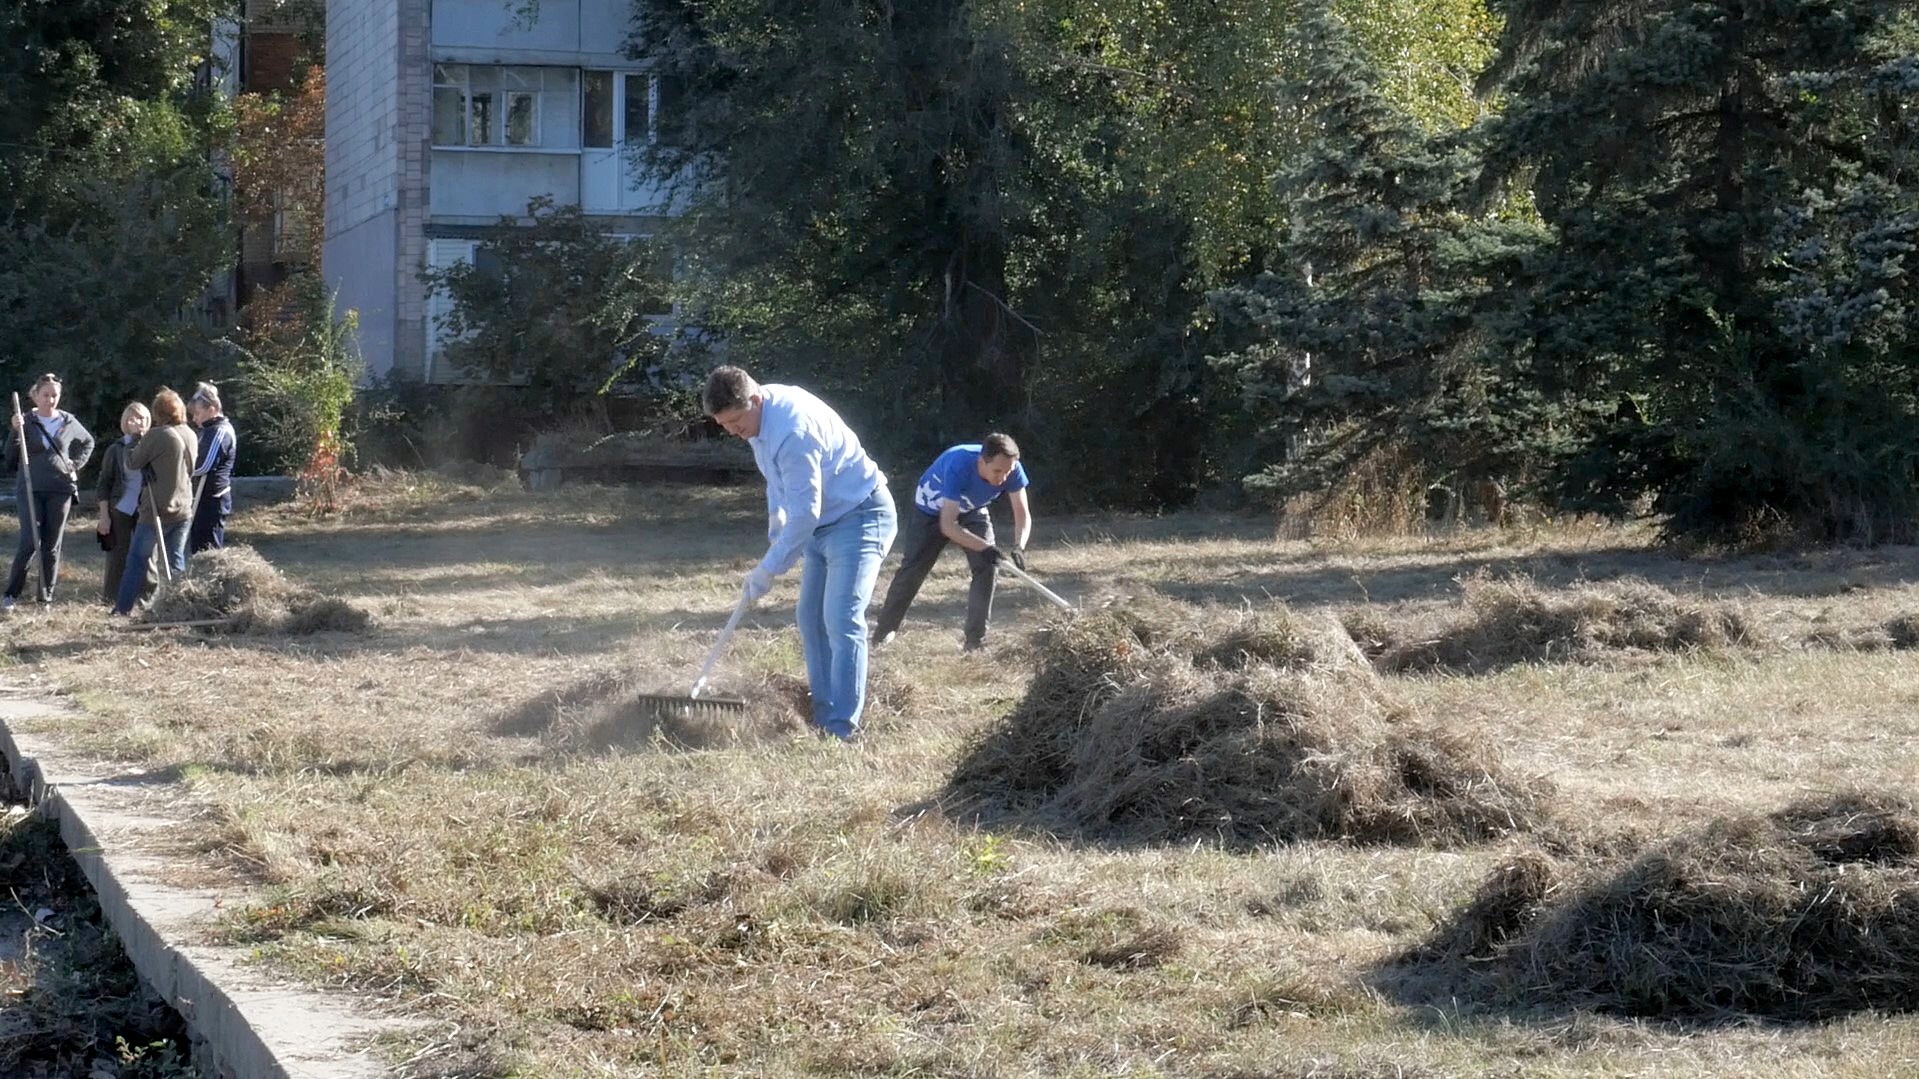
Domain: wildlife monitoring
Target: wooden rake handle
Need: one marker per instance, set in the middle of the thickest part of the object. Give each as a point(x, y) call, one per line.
point(1007, 565)
point(719, 646)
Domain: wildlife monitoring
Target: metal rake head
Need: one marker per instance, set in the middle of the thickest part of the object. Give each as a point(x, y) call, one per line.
point(677, 707)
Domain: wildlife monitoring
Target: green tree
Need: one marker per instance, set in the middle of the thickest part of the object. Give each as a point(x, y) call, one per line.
point(1733, 199)
point(1368, 341)
point(109, 225)
point(563, 309)
point(1001, 215)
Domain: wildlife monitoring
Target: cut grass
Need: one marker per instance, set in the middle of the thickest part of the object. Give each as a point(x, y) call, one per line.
point(432, 822)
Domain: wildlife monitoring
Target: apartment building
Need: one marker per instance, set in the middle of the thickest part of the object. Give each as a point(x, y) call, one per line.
point(444, 115)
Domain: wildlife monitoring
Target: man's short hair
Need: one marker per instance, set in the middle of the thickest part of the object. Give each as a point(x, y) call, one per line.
point(728, 388)
point(998, 445)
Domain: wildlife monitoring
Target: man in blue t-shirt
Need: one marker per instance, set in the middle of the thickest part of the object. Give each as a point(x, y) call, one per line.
point(951, 499)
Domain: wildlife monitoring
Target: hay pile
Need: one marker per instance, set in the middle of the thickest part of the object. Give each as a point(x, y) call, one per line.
point(1510, 621)
point(1808, 913)
point(1165, 725)
point(238, 586)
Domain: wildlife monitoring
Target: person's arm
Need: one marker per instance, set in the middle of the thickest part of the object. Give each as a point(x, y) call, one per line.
point(1022, 518)
point(79, 447)
point(207, 450)
point(950, 527)
point(112, 468)
point(802, 492)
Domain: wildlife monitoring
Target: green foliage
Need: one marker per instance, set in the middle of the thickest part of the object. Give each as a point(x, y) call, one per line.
point(1006, 213)
point(1731, 191)
point(298, 372)
point(109, 227)
point(1369, 342)
point(564, 311)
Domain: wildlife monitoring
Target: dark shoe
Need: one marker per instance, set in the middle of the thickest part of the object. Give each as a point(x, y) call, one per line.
point(973, 646)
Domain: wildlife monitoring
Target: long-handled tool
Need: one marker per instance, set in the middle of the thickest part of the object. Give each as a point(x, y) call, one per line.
point(1007, 565)
point(693, 705)
point(26, 482)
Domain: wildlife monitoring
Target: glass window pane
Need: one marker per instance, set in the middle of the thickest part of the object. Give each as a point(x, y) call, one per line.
point(638, 108)
point(480, 122)
point(597, 97)
point(449, 116)
point(520, 78)
point(521, 122)
point(449, 74)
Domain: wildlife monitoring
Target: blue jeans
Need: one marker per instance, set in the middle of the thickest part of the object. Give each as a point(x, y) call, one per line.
point(134, 580)
point(841, 564)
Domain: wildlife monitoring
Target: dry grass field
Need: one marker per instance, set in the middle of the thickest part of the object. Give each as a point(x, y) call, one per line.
point(452, 812)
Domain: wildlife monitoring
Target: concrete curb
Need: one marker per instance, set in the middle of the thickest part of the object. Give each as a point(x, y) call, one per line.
point(245, 1024)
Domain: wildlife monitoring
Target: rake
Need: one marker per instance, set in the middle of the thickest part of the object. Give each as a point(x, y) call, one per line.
point(694, 706)
point(1008, 566)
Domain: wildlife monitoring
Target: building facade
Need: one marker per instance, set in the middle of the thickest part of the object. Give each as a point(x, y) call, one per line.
point(443, 116)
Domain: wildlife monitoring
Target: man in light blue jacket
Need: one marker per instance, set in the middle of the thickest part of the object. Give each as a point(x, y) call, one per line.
point(827, 505)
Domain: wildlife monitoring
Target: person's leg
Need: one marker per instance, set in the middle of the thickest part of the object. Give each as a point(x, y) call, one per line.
point(921, 543)
point(133, 582)
point(53, 510)
point(22, 554)
point(807, 614)
point(176, 545)
point(979, 594)
point(855, 546)
point(122, 524)
point(209, 524)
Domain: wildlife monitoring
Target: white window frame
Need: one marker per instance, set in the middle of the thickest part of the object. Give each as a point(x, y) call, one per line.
point(497, 129)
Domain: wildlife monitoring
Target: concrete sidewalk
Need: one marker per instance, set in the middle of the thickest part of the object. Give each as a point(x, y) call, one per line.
point(246, 1024)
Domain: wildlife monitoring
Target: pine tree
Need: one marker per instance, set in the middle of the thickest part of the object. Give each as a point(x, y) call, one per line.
point(1369, 341)
point(1732, 192)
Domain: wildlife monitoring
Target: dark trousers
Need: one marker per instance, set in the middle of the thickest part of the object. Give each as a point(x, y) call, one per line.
point(51, 512)
point(921, 544)
point(209, 522)
point(117, 556)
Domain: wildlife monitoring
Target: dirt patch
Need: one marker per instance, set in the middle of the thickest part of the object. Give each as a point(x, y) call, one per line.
point(1808, 913)
point(243, 590)
point(1509, 621)
point(1243, 727)
point(614, 710)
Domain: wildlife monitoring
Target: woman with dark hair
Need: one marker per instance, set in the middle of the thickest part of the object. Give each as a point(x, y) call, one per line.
point(118, 493)
point(164, 457)
point(57, 448)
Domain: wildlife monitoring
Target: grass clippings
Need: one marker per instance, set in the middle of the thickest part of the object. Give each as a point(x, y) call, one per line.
point(1510, 621)
point(238, 587)
point(74, 1005)
point(1250, 729)
point(1805, 914)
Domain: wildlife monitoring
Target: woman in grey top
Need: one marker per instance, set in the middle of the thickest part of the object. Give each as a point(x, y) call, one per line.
point(118, 492)
point(57, 449)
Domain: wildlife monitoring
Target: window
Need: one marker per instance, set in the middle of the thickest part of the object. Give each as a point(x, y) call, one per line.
point(597, 97)
point(449, 104)
point(480, 105)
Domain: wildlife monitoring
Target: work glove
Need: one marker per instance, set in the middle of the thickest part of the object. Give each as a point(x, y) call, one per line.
point(1018, 555)
point(992, 555)
point(758, 583)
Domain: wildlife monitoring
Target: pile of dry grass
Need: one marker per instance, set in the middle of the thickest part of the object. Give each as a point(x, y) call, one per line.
point(1510, 621)
point(1244, 728)
point(1808, 913)
point(247, 595)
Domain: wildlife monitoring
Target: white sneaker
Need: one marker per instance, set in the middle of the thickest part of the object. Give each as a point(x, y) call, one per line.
point(6, 603)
